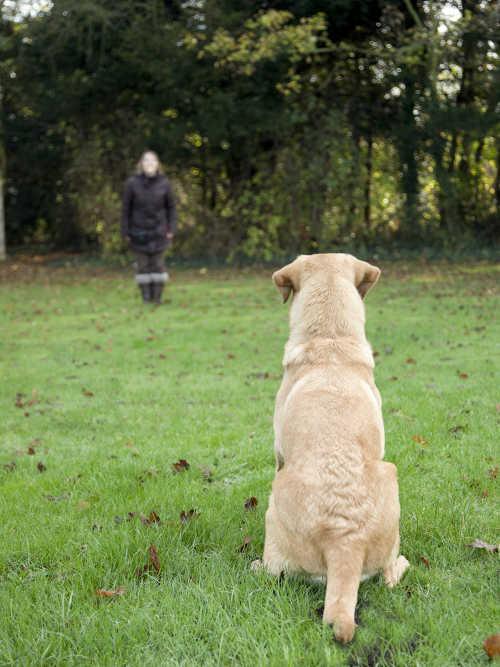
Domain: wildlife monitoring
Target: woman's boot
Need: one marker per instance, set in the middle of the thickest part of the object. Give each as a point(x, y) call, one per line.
point(159, 280)
point(143, 281)
point(157, 289)
point(146, 292)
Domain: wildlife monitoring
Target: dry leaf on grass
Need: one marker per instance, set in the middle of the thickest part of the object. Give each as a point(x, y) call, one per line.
point(148, 521)
point(457, 428)
point(83, 505)
point(187, 516)
point(424, 560)
point(479, 544)
point(153, 557)
point(206, 474)
point(102, 592)
point(55, 498)
point(492, 646)
point(181, 465)
point(251, 503)
point(246, 542)
point(154, 563)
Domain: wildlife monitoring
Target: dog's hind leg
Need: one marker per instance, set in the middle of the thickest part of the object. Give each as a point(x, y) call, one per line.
point(274, 559)
point(397, 566)
point(344, 567)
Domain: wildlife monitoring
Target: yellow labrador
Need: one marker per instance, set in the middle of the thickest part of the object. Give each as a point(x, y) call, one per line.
point(334, 507)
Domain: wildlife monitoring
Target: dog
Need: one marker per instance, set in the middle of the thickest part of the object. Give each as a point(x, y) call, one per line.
point(334, 507)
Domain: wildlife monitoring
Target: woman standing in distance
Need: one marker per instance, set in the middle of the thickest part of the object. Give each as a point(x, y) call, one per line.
point(149, 219)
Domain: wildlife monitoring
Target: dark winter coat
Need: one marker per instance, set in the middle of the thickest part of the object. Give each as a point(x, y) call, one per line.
point(148, 212)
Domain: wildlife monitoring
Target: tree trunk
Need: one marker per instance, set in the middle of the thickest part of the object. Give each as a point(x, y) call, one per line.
point(497, 178)
point(3, 251)
point(368, 183)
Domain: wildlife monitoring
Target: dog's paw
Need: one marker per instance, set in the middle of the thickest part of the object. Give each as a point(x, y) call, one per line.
point(257, 565)
point(344, 629)
point(394, 572)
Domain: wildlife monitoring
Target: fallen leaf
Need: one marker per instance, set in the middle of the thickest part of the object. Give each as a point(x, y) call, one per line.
point(497, 407)
point(87, 393)
point(411, 360)
point(109, 594)
point(418, 438)
point(424, 560)
point(464, 376)
point(492, 646)
point(493, 472)
point(41, 467)
point(153, 557)
point(181, 465)
point(147, 521)
point(393, 378)
point(206, 473)
point(147, 473)
point(251, 503)
point(458, 427)
point(55, 498)
point(246, 542)
point(83, 505)
point(10, 467)
point(479, 544)
point(187, 516)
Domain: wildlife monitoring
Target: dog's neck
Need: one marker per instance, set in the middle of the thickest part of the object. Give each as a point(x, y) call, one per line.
point(322, 350)
point(320, 332)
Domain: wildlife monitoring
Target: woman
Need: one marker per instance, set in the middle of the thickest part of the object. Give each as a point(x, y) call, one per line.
point(149, 219)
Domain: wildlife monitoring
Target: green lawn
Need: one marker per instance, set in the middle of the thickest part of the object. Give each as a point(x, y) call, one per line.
point(109, 394)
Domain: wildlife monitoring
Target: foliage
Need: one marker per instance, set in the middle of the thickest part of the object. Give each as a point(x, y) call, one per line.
point(290, 128)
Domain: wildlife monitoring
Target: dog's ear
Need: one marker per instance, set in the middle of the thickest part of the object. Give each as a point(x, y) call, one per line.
point(286, 280)
point(366, 275)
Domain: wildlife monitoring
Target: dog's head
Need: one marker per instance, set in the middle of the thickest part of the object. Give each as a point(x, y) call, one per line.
point(329, 286)
point(332, 265)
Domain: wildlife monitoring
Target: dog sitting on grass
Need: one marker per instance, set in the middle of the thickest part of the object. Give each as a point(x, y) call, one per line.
point(334, 507)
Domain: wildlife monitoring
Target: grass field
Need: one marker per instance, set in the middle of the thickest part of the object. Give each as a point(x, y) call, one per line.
point(101, 396)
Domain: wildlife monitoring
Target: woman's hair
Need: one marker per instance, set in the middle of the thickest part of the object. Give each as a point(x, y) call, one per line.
point(139, 168)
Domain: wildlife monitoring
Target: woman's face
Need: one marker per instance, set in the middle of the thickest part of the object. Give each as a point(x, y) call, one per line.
point(150, 164)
